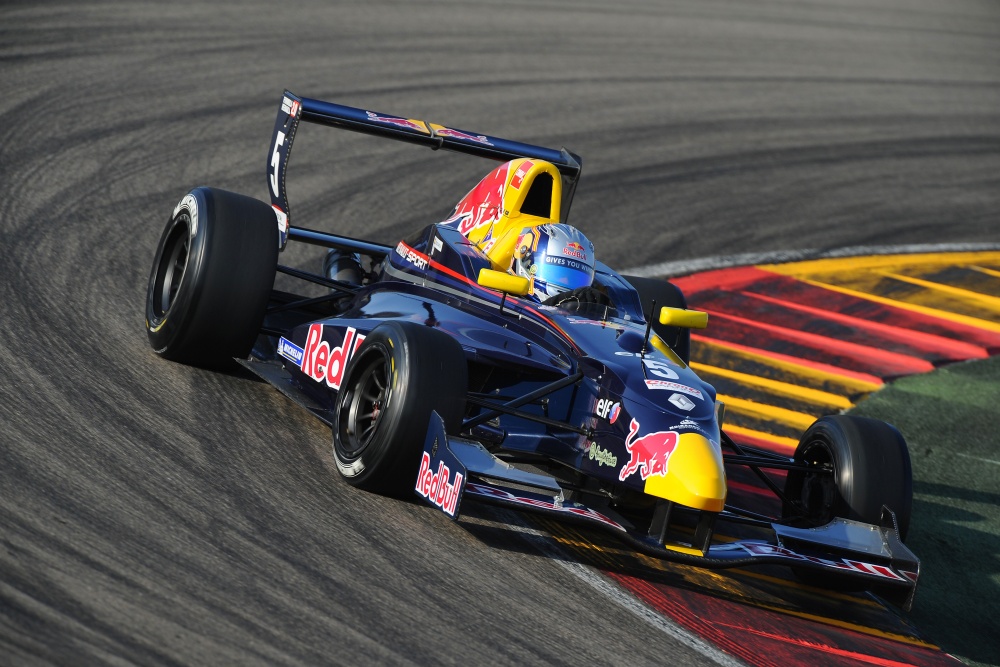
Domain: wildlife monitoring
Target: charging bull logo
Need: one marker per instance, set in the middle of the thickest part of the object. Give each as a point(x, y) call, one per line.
point(649, 454)
point(484, 203)
point(405, 123)
point(452, 133)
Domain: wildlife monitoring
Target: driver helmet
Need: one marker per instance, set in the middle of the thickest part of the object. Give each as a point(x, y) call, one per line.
point(555, 258)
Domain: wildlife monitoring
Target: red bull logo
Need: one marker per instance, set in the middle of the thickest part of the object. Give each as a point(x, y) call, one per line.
point(437, 487)
point(650, 453)
point(484, 203)
point(325, 364)
point(574, 249)
point(458, 134)
point(406, 123)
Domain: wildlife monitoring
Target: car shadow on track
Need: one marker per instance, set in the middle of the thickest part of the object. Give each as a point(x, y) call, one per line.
point(772, 588)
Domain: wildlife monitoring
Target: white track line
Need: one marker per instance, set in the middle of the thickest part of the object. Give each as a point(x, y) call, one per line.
point(684, 267)
point(544, 543)
point(978, 458)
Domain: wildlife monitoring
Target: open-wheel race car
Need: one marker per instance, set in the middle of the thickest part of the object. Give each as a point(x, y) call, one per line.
point(442, 373)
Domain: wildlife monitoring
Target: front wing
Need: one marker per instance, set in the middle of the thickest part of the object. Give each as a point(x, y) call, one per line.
point(453, 468)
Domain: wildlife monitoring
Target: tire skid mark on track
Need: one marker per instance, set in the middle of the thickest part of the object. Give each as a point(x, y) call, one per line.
point(165, 515)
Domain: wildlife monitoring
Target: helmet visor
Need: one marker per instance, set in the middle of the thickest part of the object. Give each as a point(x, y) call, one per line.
point(564, 272)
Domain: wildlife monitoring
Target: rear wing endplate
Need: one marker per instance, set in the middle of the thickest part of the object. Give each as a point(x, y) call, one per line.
point(293, 109)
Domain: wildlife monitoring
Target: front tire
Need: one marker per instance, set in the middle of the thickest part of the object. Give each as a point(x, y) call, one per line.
point(870, 468)
point(401, 373)
point(211, 278)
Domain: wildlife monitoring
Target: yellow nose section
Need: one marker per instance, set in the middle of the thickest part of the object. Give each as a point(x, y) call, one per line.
point(695, 475)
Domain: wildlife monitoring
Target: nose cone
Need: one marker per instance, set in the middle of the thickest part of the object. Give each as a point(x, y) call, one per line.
point(695, 476)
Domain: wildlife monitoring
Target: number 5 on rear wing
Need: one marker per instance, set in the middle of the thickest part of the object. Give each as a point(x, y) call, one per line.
point(293, 109)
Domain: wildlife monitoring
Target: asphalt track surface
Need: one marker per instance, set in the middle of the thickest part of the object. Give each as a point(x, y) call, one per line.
point(157, 514)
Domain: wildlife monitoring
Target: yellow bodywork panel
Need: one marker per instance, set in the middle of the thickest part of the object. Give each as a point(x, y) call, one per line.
point(680, 317)
point(495, 212)
point(695, 476)
point(666, 350)
point(505, 282)
point(680, 548)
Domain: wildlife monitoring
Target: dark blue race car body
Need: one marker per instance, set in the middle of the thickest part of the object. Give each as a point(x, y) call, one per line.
point(577, 410)
point(515, 350)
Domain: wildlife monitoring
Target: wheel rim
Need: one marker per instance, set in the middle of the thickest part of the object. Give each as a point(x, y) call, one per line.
point(364, 405)
point(172, 266)
point(818, 495)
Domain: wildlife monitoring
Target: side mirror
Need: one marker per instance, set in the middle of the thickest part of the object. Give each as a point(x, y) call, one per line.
point(687, 319)
point(503, 282)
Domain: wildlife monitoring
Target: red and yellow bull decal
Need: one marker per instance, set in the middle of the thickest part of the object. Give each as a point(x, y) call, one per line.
point(685, 467)
point(490, 214)
point(406, 123)
point(650, 454)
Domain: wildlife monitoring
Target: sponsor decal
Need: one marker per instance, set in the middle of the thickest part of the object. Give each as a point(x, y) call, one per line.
point(565, 261)
point(291, 107)
point(279, 141)
point(324, 364)
point(406, 123)
point(411, 255)
point(608, 409)
point(660, 369)
point(483, 205)
point(436, 487)
point(681, 401)
point(518, 177)
point(602, 457)
point(763, 549)
point(290, 351)
point(650, 453)
point(452, 133)
point(191, 204)
point(437, 246)
point(574, 249)
point(578, 510)
point(688, 425)
point(674, 386)
point(282, 219)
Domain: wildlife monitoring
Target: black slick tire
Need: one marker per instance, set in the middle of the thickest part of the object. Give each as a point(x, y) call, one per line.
point(401, 373)
point(211, 278)
point(870, 468)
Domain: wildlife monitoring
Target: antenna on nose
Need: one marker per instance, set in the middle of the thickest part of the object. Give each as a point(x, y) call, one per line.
point(649, 326)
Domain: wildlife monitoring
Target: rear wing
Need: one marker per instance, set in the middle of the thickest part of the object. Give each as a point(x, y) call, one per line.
point(293, 109)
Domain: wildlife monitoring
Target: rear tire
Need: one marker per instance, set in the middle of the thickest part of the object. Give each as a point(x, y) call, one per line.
point(401, 373)
point(664, 293)
point(211, 278)
point(871, 468)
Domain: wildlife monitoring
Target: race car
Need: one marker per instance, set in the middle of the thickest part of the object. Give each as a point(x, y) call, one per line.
point(441, 378)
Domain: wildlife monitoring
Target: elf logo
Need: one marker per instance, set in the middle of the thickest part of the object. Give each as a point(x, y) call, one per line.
point(608, 409)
